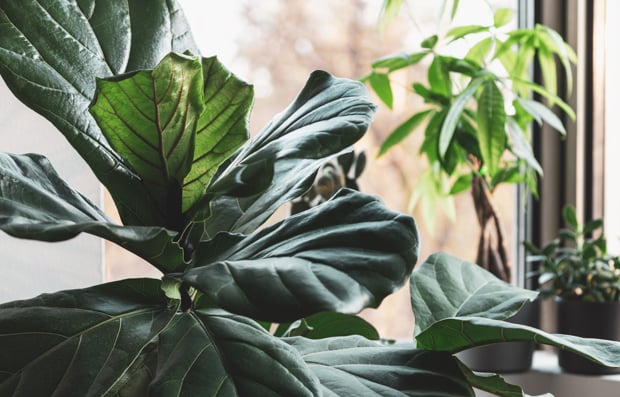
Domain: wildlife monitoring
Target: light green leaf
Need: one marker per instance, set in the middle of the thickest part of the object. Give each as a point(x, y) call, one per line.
point(462, 184)
point(552, 98)
point(403, 131)
point(454, 114)
point(557, 45)
point(479, 51)
point(398, 61)
point(79, 342)
point(149, 118)
point(36, 204)
point(50, 53)
point(353, 366)
point(502, 17)
point(439, 77)
point(548, 69)
point(491, 118)
point(221, 129)
point(542, 114)
point(461, 31)
point(380, 83)
point(343, 255)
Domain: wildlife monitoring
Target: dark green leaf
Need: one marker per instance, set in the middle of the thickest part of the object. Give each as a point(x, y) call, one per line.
point(209, 353)
point(445, 286)
point(51, 52)
point(327, 116)
point(380, 83)
point(462, 66)
point(330, 324)
point(353, 367)
point(454, 114)
point(491, 118)
point(343, 255)
point(149, 118)
point(493, 383)
point(79, 342)
point(221, 129)
point(37, 204)
point(403, 130)
point(591, 226)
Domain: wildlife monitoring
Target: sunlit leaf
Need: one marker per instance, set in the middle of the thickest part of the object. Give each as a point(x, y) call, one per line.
point(380, 83)
point(403, 130)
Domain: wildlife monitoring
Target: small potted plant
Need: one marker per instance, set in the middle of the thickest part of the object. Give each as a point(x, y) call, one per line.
point(576, 268)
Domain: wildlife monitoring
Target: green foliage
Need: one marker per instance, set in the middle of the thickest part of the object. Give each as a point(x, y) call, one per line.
point(486, 97)
point(459, 305)
point(575, 264)
point(165, 131)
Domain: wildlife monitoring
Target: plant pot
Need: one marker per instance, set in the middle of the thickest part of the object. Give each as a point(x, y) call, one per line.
point(589, 320)
point(508, 357)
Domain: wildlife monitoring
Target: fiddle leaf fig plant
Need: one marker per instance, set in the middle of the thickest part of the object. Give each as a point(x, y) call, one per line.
point(166, 131)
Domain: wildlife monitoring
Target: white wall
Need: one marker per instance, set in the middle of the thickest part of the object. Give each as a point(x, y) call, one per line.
point(29, 268)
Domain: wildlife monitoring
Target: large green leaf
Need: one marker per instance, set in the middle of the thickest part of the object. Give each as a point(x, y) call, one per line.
point(461, 305)
point(493, 383)
point(327, 117)
point(353, 366)
point(51, 51)
point(222, 127)
point(344, 255)
point(206, 353)
point(444, 286)
point(149, 118)
point(35, 203)
point(79, 342)
point(491, 118)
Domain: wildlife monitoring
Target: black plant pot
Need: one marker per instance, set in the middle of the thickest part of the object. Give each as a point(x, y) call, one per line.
point(508, 357)
point(589, 320)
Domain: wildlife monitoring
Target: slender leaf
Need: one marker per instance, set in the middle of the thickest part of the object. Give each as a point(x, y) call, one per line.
point(444, 287)
point(480, 51)
point(403, 131)
point(521, 146)
point(454, 114)
point(399, 61)
point(37, 204)
point(343, 255)
point(439, 77)
point(491, 118)
point(546, 61)
point(564, 52)
point(429, 42)
point(380, 83)
point(542, 113)
point(570, 216)
point(327, 117)
point(51, 52)
point(461, 31)
point(543, 92)
point(78, 342)
point(353, 366)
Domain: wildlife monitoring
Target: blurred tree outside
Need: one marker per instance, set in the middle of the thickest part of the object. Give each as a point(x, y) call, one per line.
point(282, 41)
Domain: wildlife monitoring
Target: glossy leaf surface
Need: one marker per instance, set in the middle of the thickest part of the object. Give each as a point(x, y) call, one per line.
point(353, 366)
point(343, 255)
point(78, 342)
point(444, 286)
point(327, 117)
point(37, 204)
point(50, 53)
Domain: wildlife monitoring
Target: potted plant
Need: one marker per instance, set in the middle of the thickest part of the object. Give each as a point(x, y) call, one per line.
point(477, 117)
point(576, 269)
point(165, 130)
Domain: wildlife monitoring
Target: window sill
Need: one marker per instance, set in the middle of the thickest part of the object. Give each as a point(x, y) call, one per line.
point(547, 377)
